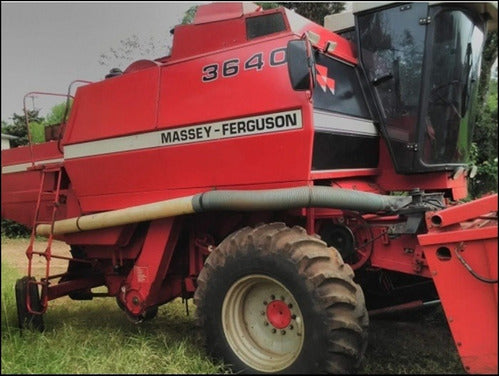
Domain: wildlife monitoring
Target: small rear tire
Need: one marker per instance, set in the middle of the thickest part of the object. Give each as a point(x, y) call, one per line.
point(27, 320)
point(274, 299)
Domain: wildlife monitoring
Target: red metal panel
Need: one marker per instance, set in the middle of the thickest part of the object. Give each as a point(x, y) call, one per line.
point(117, 106)
point(458, 235)
point(471, 306)
point(150, 269)
point(19, 205)
point(218, 11)
point(389, 180)
point(400, 255)
point(185, 100)
point(118, 236)
point(21, 154)
point(193, 40)
point(121, 200)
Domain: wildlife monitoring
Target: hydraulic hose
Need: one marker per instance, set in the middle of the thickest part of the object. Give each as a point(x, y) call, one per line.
point(232, 200)
point(300, 197)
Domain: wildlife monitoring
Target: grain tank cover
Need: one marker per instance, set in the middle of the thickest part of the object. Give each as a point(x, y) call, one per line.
point(218, 26)
point(222, 11)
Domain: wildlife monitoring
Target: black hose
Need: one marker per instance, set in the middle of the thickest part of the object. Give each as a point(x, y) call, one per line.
point(471, 271)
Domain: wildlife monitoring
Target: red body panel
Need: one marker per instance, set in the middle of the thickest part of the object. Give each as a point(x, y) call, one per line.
point(141, 176)
point(118, 106)
point(389, 180)
point(21, 180)
point(470, 304)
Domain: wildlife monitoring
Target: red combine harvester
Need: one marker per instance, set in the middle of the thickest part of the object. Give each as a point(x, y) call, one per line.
point(284, 176)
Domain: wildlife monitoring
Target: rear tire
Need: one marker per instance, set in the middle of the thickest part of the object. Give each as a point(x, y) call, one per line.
point(27, 320)
point(274, 299)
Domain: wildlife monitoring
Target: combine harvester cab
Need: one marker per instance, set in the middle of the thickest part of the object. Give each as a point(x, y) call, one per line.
point(280, 174)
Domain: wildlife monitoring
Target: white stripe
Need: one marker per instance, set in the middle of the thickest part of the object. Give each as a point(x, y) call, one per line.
point(24, 166)
point(335, 123)
point(183, 135)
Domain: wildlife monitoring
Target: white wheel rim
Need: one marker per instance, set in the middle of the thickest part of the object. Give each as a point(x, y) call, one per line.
point(263, 323)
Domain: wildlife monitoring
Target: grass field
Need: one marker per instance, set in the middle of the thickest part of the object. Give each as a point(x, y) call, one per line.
point(90, 337)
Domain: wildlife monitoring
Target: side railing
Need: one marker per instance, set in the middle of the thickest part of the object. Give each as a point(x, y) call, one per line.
point(68, 97)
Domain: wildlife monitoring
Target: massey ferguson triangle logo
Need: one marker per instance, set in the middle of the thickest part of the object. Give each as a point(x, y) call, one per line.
point(323, 80)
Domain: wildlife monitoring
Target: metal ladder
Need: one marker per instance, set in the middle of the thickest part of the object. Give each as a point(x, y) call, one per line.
point(53, 192)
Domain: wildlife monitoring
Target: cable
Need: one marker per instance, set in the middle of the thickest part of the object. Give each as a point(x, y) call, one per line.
point(475, 275)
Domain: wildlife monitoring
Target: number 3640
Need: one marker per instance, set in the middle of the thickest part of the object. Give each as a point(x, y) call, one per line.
point(231, 67)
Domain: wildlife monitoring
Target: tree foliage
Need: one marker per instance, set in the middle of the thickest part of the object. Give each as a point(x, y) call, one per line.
point(130, 49)
point(484, 153)
point(37, 124)
point(56, 114)
point(315, 12)
point(189, 15)
point(12, 229)
point(18, 127)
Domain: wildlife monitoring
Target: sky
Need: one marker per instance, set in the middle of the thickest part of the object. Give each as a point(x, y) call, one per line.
point(45, 46)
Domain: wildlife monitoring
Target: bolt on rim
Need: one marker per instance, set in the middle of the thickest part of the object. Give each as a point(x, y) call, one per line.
point(263, 323)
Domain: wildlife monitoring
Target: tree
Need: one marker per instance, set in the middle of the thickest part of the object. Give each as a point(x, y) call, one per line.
point(484, 153)
point(315, 12)
point(56, 114)
point(131, 49)
point(18, 128)
point(189, 15)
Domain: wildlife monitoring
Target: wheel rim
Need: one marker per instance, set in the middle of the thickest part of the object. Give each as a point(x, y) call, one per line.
point(263, 323)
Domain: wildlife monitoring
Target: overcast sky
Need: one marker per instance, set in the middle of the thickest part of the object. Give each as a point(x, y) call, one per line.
point(45, 46)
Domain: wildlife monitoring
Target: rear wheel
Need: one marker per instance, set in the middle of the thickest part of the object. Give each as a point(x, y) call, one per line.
point(27, 320)
point(274, 299)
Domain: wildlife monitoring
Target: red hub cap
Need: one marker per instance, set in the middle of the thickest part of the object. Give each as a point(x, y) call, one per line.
point(278, 314)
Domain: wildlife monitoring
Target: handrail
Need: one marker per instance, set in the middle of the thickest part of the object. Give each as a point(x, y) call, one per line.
point(66, 110)
point(27, 121)
point(68, 96)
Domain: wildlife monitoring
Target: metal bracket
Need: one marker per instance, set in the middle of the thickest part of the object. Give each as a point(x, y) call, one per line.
point(411, 226)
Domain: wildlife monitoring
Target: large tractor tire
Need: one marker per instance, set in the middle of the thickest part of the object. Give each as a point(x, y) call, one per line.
point(273, 299)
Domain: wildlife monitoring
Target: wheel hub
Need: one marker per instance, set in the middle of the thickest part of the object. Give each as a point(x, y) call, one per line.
point(278, 314)
point(262, 323)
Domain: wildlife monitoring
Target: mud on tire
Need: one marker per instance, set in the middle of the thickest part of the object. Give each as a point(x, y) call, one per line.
point(274, 299)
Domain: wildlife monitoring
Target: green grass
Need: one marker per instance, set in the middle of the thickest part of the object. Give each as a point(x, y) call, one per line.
point(89, 337)
point(95, 337)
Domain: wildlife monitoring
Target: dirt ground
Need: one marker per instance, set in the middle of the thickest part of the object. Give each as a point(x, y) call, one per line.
point(14, 254)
